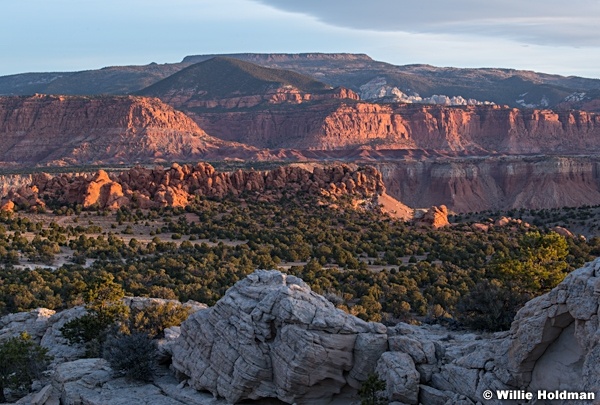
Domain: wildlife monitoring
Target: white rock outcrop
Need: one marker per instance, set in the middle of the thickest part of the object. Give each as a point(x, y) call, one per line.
point(270, 336)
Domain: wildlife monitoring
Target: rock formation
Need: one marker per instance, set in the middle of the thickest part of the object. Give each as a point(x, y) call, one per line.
point(435, 217)
point(60, 130)
point(271, 336)
point(179, 185)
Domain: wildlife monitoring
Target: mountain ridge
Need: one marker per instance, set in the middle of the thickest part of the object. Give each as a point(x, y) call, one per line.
point(337, 69)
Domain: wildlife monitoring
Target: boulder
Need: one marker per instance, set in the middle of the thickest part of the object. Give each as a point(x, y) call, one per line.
point(401, 377)
point(34, 323)
point(270, 336)
point(435, 217)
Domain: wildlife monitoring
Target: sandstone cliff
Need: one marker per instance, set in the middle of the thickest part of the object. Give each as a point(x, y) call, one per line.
point(494, 183)
point(343, 125)
point(60, 130)
point(179, 185)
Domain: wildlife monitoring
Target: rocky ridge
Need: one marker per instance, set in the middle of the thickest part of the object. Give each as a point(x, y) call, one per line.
point(502, 86)
point(179, 185)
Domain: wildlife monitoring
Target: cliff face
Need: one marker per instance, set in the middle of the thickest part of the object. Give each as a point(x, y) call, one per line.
point(342, 125)
point(477, 184)
point(179, 185)
point(58, 130)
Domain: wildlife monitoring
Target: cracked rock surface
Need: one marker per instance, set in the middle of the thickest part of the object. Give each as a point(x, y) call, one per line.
point(270, 336)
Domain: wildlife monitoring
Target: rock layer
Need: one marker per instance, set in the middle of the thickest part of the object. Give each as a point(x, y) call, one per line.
point(494, 183)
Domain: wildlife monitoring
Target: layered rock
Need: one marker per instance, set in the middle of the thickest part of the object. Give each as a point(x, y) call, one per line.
point(179, 185)
point(59, 130)
point(344, 125)
point(494, 183)
point(271, 336)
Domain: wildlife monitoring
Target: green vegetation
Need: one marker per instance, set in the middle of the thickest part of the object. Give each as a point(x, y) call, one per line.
point(105, 311)
point(134, 356)
point(21, 361)
point(365, 263)
point(372, 391)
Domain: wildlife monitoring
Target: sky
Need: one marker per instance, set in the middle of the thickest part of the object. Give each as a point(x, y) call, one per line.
point(70, 35)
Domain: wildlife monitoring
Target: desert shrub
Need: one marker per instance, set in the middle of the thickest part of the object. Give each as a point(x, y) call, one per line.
point(157, 317)
point(490, 306)
point(106, 312)
point(21, 361)
point(133, 356)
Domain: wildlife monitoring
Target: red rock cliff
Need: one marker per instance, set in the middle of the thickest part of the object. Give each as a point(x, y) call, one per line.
point(497, 183)
point(473, 129)
point(86, 130)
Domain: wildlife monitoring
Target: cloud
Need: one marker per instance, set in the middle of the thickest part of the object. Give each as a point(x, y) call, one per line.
point(540, 22)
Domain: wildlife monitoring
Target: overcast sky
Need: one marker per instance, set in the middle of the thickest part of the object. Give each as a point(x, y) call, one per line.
point(64, 35)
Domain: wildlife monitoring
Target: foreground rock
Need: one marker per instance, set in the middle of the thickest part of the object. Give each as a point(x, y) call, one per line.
point(271, 336)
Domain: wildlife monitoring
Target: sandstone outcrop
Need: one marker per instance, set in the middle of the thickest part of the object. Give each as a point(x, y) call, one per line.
point(44, 325)
point(69, 130)
point(92, 382)
point(179, 185)
point(434, 217)
point(271, 336)
point(262, 340)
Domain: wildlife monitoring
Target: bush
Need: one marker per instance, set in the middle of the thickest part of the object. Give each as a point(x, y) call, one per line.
point(157, 317)
point(133, 356)
point(106, 311)
point(372, 391)
point(21, 361)
point(490, 306)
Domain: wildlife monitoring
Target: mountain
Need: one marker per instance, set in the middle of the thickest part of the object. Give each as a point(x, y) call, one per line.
point(222, 77)
point(116, 80)
point(72, 130)
point(516, 88)
point(232, 83)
